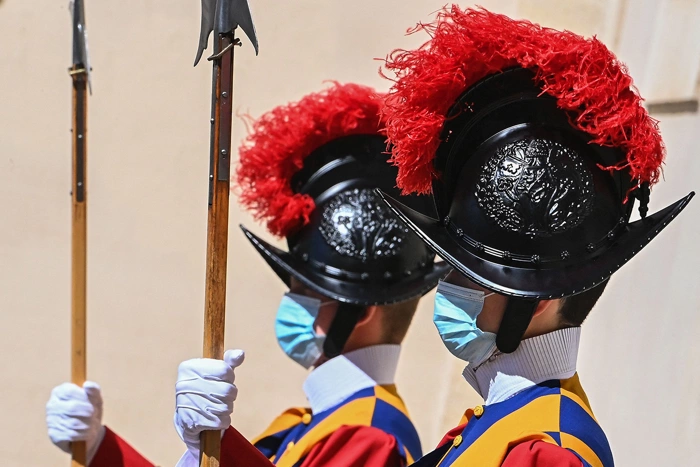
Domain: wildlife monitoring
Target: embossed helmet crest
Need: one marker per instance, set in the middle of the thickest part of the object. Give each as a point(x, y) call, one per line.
point(536, 187)
point(360, 225)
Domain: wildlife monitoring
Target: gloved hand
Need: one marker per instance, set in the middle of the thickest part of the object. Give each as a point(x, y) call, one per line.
point(204, 395)
point(75, 414)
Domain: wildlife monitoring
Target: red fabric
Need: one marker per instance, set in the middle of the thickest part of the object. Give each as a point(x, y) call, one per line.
point(356, 446)
point(115, 452)
point(237, 451)
point(540, 454)
point(349, 446)
point(467, 45)
point(451, 435)
point(281, 139)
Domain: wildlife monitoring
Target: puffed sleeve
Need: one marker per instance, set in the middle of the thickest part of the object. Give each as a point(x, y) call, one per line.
point(356, 446)
point(538, 453)
point(115, 452)
point(237, 451)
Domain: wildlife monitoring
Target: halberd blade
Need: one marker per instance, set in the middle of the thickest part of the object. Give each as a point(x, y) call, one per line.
point(208, 11)
point(238, 14)
point(222, 17)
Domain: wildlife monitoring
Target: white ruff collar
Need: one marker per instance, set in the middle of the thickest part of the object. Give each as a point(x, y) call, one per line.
point(339, 378)
point(538, 359)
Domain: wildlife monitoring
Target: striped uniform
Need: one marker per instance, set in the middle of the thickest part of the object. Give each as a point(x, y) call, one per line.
point(554, 414)
point(294, 434)
point(371, 428)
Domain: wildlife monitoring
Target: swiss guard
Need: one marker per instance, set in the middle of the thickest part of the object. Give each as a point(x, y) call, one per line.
point(536, 149)
point(355, 275)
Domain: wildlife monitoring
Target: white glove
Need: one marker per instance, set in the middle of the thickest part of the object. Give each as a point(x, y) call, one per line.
point(75, 414)
point(204, 395)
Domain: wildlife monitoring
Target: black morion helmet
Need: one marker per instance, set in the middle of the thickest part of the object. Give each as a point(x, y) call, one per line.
point(533, 200)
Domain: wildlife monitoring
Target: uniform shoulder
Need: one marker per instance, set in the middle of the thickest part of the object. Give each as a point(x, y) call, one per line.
point(538, 453)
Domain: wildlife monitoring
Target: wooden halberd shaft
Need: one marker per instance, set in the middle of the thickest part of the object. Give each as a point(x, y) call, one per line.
point(79, 242)
point(217, 224)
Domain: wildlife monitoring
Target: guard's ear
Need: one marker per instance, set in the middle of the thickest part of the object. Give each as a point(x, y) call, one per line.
point(367, 315)
point(545, 305)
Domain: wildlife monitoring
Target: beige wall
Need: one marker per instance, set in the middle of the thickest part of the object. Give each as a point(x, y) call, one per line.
point(148, 146)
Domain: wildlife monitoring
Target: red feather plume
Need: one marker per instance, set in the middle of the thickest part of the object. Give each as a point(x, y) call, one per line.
point(467, 45)
point(282, 138)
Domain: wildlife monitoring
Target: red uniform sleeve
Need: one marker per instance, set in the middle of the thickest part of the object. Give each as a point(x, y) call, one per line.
point(451, 435)
point(540, 454)
point(115, 452)
point(356, 446)
point(237, 451)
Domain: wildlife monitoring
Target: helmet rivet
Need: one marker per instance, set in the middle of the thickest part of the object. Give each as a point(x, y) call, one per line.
point(364, 276)
point(387, 275)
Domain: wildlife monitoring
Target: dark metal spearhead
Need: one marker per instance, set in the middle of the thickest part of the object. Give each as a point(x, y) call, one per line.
point(80, 46)
point(222, 17)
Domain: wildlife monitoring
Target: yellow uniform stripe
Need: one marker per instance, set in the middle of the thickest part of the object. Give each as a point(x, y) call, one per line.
point(495, 458)
point(582, 449)
point(530, 422)
point(526, 423)
point(572, 389)
point(358, 412)
point(409, 459)
point(287, 420)
point(389, 395)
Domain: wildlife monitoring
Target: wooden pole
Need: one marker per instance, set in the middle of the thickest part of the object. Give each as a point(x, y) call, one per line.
point(79, 243)
point(217, 223)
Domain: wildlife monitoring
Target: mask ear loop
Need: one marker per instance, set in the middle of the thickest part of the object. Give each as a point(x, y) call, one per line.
point(321, 304)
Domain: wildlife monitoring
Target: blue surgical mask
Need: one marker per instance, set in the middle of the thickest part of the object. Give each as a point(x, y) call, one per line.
point(456, 309)
point(294, 328)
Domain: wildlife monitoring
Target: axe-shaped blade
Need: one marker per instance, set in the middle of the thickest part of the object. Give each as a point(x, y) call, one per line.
point(80, 45)
point(222, 17)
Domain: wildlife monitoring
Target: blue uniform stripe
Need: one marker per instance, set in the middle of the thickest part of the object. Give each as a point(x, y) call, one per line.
point(571, 428)
point(391, 420)
point(556, 436)
point(495, 412)
point(293, 435)
point(321, 416)
point(385, 417)
point(575, 421)
point(583, 461)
